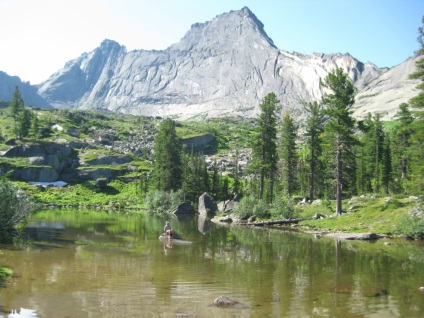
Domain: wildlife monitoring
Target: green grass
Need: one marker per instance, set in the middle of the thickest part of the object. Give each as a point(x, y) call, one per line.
point(116, 194)
point(372, 215)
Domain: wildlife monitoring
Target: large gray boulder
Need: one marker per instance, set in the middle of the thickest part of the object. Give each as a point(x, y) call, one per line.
point(207, 206)
point(42, 174)
point(198, 142)
point(47, 161)
point(184, 209)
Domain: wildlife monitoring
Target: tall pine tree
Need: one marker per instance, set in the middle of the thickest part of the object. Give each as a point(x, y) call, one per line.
point(340, 125)
point(264, 154)
point(416, 150)
point(314, 129)
point(17, 106)
point(401, 137)
point(288, 155)
point(167, 169)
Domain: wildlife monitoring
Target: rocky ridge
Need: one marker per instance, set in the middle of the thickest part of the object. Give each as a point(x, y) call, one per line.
point(29, 93)
point(220, 68)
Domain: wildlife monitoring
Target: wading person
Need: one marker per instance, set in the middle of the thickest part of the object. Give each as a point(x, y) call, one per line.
point(167, 229)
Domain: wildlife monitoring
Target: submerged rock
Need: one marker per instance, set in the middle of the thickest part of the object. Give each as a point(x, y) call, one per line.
point(225, 301)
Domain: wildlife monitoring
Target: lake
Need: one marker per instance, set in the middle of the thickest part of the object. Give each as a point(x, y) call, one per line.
point(96, 264)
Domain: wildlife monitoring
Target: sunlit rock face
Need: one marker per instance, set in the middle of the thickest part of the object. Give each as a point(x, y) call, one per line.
point(223, 67)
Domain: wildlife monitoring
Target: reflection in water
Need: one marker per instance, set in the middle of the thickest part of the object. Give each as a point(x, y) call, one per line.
point(204, 225)
point(102, 265)
point(167, 245)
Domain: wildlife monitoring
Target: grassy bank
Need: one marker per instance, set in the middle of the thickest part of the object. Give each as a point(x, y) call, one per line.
point(377, 215)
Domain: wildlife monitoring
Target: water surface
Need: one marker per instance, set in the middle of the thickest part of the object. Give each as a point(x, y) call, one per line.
point(95, 264)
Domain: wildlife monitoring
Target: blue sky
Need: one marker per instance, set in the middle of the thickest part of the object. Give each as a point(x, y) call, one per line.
point(39, 36)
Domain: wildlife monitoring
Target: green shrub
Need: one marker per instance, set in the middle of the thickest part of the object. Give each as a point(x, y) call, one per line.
point(412, 225)
point(261, 209)
point(15, 207)
point(163, 201)
point(283, 209)
point(244, 208)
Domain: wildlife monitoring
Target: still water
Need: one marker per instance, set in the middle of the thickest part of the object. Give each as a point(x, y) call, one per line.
point(95, 264)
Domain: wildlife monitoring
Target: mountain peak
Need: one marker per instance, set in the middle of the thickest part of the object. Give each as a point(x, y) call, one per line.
point(234, 28)
point(223, 67)
point(110, 46)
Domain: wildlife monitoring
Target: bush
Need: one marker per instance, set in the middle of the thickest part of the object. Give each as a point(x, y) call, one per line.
point(412, 225)
point(250, 206)
point(244, 208)
point(283, 209)
point(261, 209)
point(163, 201)
point(15, 207)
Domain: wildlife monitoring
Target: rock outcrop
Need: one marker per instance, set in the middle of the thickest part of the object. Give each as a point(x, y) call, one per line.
point(50, 162)
point(207, 206)
point(384, 94)
point(220, 68)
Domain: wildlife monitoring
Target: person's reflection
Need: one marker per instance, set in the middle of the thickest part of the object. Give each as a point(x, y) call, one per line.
point(167, 244)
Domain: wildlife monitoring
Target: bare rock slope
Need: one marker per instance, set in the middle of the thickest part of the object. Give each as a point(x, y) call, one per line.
point(223, 67)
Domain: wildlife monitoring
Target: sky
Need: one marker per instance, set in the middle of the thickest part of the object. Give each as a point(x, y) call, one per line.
point(37, 37)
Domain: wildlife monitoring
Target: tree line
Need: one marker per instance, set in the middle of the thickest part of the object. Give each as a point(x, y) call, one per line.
point(335, 156)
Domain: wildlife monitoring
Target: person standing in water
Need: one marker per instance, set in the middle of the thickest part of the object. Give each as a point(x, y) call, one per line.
point(167, 229)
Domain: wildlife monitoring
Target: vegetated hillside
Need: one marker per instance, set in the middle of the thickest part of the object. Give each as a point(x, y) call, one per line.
point(220, 68)
point(113, 140)
point(114, 148)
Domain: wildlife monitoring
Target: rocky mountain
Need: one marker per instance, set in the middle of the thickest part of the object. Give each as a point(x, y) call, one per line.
point(223, 67)
point(385, 93)
point(28, 92)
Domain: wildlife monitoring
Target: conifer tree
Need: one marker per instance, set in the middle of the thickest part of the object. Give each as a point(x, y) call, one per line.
point(35, 126)
point(418, 101)
point(339, 101)
point(264, 154)
point(402, 142)
point(24, 123)
point(16, 107)
point(386, 166)
point(416, 150)
point(215, 180)
point(370, 155)
point(167, 157)
point(288, 155)
point(314, 129)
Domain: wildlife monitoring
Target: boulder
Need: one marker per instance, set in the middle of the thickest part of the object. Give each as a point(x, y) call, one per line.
point(103, 159)
point(184, 208)
point(25, 151)
point(227, 206)
point(94, 174)
point(74, 132)
point(225, 302)
point(101, 183)
point(198, 142)
point(41, 174)
point(207, 205)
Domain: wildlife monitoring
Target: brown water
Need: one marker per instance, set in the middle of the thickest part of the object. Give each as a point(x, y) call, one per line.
point(95, 264)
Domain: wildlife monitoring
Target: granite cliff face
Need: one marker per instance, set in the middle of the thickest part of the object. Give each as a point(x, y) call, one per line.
point(219, 68)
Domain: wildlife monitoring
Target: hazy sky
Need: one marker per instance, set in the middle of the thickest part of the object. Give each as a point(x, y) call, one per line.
point(37, 37)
